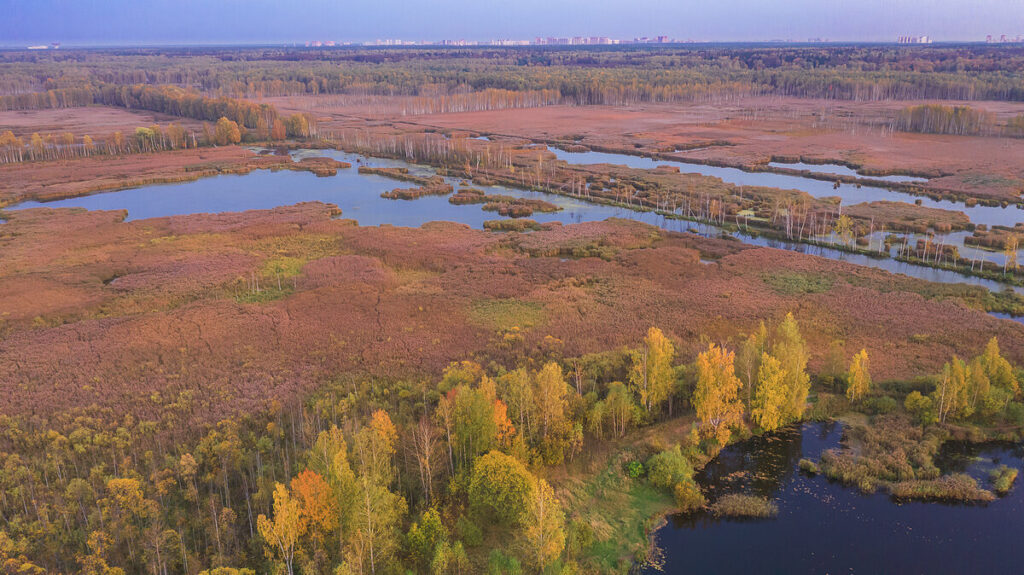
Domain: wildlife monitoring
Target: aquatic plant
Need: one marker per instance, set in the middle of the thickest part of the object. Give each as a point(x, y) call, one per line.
point(520, 225)
point(808, 466)
point(956, 487)
point(1003, 478)
point(740, 505)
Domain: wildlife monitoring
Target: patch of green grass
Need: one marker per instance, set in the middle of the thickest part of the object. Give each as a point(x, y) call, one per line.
point(620, 510)
point(797, 283)
point(303, 246)
point(505, 314)
point(575, 250)
point(264, 295)
point(286, 256)
point(592, 250)
point(283, 266)
point(827, 406)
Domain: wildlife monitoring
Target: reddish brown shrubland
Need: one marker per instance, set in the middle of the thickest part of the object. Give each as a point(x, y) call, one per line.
point(129, 315)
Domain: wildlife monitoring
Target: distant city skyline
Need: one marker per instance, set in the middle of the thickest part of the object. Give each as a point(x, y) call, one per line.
point(157, 22)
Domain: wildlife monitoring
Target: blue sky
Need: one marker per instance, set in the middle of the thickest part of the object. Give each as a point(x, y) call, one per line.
point(105, 22)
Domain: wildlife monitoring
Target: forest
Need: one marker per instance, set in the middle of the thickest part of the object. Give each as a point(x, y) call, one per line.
point(572, 75)
point(434, 476)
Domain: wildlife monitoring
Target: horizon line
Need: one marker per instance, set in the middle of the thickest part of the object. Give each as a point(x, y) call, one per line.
point(490, 43)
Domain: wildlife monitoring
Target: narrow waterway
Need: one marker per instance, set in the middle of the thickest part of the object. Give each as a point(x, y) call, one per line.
point(850, 193)
point(841, 170)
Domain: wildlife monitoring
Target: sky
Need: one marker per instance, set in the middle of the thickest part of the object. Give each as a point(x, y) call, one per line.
point(153, 22)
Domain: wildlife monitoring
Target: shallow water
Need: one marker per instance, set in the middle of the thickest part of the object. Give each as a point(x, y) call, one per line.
point(841, 170)
point(824, 527)
point(358, 196)
point(966, 251)
point(850, 193)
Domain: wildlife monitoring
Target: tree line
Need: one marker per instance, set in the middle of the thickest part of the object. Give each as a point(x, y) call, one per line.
point(174, 101)
point(145, 139)
point(66, 145)
point(622, 75)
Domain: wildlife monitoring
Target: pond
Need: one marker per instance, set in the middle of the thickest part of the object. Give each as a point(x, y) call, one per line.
point(850, 193)
point(841, 170)
point(358, 196)
point(825, 527)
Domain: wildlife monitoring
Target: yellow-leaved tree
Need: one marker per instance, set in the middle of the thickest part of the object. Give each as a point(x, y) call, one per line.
point(998, 369)
point(716, 398)
point(652, 376)
point(858, 379)
point(282, 534)
point(950, 395)
point(844, 229)
point(771, 398)
point(378, 510)
point(543, 527)
point(748, 358)
point(549, 397)
point(227, 132)
point(791, 352)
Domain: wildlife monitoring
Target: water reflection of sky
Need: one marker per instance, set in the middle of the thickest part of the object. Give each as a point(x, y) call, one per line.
point(825, 527)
